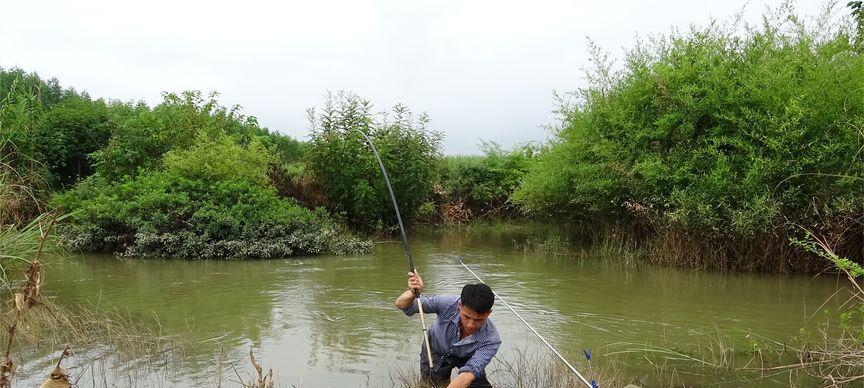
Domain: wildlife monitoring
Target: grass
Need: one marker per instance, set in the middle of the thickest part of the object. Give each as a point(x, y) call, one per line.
point(36, 325)
point(523, 370)
point(454, 161)
point(17, 244)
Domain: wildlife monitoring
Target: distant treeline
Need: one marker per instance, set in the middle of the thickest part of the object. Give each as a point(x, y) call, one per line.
point(710, 147)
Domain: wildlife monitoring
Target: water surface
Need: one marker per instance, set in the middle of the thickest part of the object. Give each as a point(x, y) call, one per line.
point(330, 322)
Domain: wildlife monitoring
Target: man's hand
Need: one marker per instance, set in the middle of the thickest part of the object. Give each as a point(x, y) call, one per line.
point(464, 380)
point(415, 285)
point(415, 282)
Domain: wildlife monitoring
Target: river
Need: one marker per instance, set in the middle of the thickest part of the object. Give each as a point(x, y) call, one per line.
point(330, 322)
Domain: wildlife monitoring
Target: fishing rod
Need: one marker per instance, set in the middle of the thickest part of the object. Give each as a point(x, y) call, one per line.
point(592, 384)
point(405, 244)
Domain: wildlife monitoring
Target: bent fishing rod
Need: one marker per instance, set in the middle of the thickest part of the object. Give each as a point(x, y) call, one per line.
point(405, 244)
point(592, 384)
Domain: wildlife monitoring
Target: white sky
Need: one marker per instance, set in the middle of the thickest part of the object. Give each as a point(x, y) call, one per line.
point(482, 69)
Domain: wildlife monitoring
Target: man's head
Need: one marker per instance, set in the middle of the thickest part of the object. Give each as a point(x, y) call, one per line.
point(475, 306)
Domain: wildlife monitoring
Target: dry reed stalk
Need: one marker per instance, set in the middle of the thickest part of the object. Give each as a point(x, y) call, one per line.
point(257, 380)
point(217, 378)
point(124, 337)
point(29, 295)
point(264, 381)
point(455, 213)
point(54, 325)
point(58, 377)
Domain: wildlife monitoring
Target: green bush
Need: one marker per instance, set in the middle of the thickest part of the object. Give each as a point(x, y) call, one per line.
point(205, 197)
point(68, 132)
point(166, 214)
point(144, 135)
point(714, 131)
point(345, 166)
point(286, 149)
point(221, 158)
point(485, 184)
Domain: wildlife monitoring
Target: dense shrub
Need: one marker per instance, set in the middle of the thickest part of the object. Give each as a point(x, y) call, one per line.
point(345, 166)
point(49, 131)
point(715, 132)
point(207, 195)
point(68, 132)
point(485, 183)
point(143, 137)
point(167, 214)
point(221, 159)
point(286, 149)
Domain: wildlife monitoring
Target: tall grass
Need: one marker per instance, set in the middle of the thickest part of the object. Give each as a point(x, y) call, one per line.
point(21, 174)
point(19, 244)
point(456, 161)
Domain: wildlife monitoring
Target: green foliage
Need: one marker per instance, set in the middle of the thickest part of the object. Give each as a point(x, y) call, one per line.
point(21, 173)
point(19, 244)
point(221, 158)
point(166, 214)
point(47, 92)
point(814, 245)
point(142, 139)
point(857, 8)
point(186, 179)
point(485, 183)
point(20, 112)
point(47, 131)
point(346, 168)
point(144, 135)
point(68, 132)
point(713, 131)
point(285, 148)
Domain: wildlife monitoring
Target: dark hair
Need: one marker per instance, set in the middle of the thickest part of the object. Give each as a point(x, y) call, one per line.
point(478, 297)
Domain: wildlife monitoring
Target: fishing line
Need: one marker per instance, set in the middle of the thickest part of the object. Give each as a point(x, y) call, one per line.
point(591, 384)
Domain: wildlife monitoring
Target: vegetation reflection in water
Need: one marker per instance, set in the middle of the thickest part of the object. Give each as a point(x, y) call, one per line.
point(329, 321)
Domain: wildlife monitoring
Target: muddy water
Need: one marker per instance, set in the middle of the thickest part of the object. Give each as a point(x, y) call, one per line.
point(330, 322)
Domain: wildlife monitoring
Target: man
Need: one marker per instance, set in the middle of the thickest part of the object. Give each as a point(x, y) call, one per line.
point(462, 337)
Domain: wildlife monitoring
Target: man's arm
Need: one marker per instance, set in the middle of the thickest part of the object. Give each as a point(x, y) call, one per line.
point(415, 282)
point(476, 365)
point(464, 380)
point(405, 300)
point(434, 304)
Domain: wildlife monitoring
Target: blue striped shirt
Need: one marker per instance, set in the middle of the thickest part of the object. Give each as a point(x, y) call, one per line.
point(444, 340)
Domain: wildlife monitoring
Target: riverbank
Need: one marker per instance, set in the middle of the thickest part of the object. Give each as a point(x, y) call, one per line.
point(660, 247)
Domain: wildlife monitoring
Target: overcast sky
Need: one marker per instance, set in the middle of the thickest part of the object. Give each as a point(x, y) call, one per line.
point(482, 69)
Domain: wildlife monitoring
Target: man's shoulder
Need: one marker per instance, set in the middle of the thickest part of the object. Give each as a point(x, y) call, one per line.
point(442, 303)
point(491, 332)
point(448, 301)
point(444, 298)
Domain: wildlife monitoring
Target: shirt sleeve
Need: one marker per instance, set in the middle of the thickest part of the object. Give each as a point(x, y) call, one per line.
point(482, 357)
point(431, 304)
